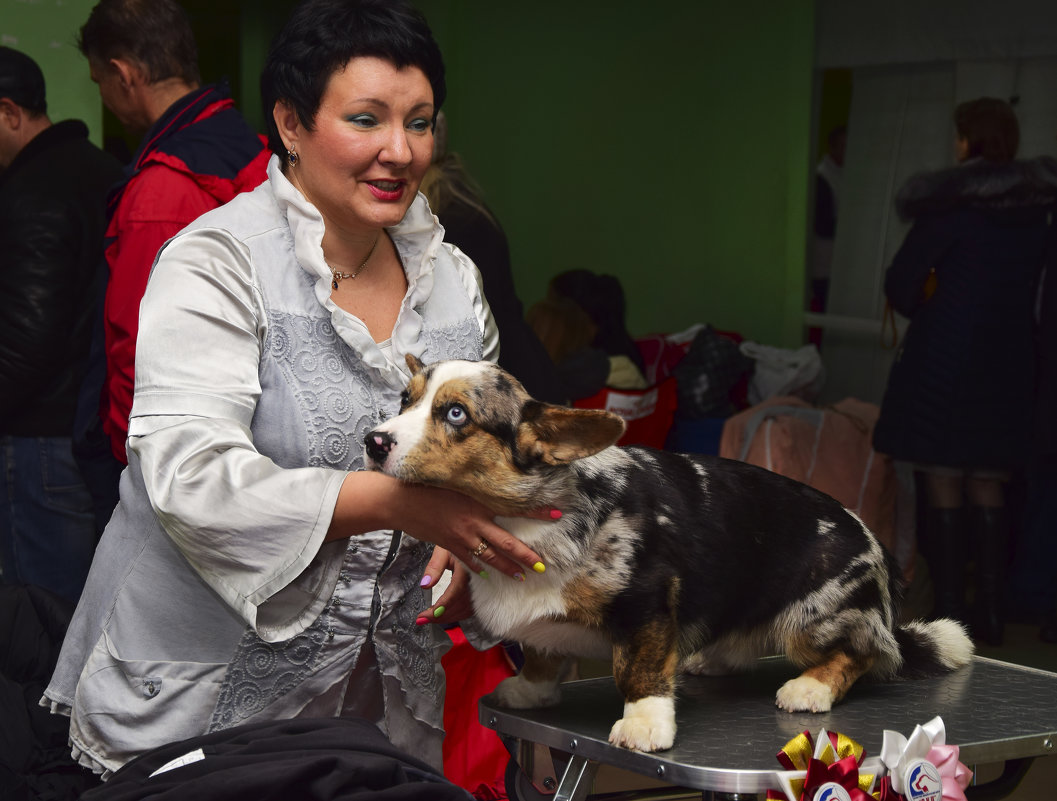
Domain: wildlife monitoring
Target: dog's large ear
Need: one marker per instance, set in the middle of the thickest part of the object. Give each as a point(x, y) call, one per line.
point(413, 364)
point(559, 434)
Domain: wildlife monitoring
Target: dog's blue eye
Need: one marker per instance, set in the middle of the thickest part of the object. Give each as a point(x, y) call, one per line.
point(456, 415)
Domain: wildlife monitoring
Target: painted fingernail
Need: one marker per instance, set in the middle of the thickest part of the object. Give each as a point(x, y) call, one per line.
point(438, 611)
point(422, 621)
point(425, 581)
point(483, 574)
point(539, 567)
point(556, 514)
point(519, 576)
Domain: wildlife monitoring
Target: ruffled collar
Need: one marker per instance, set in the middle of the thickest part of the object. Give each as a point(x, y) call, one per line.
point(418, 238)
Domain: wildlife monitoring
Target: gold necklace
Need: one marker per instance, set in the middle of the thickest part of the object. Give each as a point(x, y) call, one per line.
point(341, 276)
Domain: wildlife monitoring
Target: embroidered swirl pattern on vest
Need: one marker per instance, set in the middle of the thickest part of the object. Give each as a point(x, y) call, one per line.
point(462, 340)
point(262, 672)
point(412, 646)
point(334, 392)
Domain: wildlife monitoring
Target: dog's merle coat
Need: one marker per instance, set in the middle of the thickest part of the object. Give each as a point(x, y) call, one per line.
point(665, 562)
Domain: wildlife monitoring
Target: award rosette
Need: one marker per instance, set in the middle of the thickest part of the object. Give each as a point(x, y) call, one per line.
point(826, 769)
point(923, 767)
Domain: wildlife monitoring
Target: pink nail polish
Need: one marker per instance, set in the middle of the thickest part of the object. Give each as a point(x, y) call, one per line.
point(556, 514)
point(425, 581)
point(422, 621)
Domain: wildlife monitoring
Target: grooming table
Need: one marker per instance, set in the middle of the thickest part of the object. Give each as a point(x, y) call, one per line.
point(729, 729)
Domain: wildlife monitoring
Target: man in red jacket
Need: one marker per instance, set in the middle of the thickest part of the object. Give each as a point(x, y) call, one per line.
point(197, 153)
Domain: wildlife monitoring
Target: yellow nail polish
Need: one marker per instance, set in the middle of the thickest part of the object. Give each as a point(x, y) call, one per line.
point(539, 567)
point(438, 611)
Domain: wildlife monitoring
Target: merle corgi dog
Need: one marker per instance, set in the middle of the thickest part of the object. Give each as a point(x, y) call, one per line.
point(662, 561)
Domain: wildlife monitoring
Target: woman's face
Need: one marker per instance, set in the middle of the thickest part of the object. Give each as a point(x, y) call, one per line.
point(372, 141)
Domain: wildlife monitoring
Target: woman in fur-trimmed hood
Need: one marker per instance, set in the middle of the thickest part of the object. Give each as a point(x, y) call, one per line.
point(960, 392)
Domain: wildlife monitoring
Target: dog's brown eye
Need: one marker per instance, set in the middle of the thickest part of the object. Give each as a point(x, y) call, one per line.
point(405, 399)
point(456, 415)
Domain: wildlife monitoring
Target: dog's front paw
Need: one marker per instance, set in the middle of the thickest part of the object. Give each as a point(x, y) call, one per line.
point(647, 725)
point(804, 694)
point(518, 692)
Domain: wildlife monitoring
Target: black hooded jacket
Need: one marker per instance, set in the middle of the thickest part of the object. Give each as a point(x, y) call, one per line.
point(52, 219)
point(962, 386)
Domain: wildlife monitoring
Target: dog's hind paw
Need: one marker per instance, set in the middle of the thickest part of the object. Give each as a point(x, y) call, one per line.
point(704, 664)
point(647, 725)
point(804, 694)
point(520, 693)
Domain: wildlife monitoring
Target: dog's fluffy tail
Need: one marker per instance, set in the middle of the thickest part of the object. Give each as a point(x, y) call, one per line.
point(930, 648)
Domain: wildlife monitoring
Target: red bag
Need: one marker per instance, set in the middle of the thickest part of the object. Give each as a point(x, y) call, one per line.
point(648, 412)
point(474, 757)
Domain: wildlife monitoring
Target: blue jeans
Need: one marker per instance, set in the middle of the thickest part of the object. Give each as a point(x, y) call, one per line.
point(47, 530)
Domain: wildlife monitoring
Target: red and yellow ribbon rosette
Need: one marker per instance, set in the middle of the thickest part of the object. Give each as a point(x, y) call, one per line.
point(828, 767)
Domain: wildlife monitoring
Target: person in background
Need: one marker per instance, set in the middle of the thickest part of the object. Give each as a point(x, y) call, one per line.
point(472, 227)
point(827, 200)
point(53, 185)
point(1032, 585)
point(196, 153)
point(253, 569)
point(581, 324)
point(963, 380)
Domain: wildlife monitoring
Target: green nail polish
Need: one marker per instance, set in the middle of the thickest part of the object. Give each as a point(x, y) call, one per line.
point(539, 567)
point(483, 574)
point(438, 611)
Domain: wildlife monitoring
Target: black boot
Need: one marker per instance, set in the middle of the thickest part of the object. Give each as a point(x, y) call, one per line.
point(991, 531)
point(945, 545)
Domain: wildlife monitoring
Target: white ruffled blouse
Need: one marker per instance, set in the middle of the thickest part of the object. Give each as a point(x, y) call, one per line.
point(213, 600)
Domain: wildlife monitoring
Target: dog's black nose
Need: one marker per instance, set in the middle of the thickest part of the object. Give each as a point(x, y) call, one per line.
point(378, 443)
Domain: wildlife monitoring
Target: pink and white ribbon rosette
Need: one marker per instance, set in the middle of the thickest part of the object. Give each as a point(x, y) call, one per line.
point(903, 757)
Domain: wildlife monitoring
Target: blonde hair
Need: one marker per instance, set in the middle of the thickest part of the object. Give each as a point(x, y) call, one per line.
point(561, 325)
point(447, 181)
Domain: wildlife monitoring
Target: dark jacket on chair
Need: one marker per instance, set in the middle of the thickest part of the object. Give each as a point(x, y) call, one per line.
point(308, 759)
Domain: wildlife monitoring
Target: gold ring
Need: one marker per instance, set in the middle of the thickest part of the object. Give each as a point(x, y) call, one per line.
point(480, 549)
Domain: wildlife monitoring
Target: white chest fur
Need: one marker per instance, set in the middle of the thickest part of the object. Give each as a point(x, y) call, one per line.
point(532, 611)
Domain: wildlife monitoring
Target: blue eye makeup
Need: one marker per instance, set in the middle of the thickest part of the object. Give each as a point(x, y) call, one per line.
point(420, 125)
point(362, 120)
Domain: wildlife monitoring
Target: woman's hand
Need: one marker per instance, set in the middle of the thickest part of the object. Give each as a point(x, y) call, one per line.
point(455, 603)
point(466, 529)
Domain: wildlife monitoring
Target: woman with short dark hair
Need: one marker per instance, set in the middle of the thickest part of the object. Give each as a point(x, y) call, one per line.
point(253, 570)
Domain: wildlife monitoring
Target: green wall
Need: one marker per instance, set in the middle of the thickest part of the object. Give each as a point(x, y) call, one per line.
point(666, 143)
point(669, 144)
point(46, 30)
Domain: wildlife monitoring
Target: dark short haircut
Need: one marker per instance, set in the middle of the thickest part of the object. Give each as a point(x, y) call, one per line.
point(154, 33)
point(21, 81)
point(322, 36)
point(990, 127)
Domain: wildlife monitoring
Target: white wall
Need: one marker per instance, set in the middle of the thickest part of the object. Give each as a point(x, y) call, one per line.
point(912, 63)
